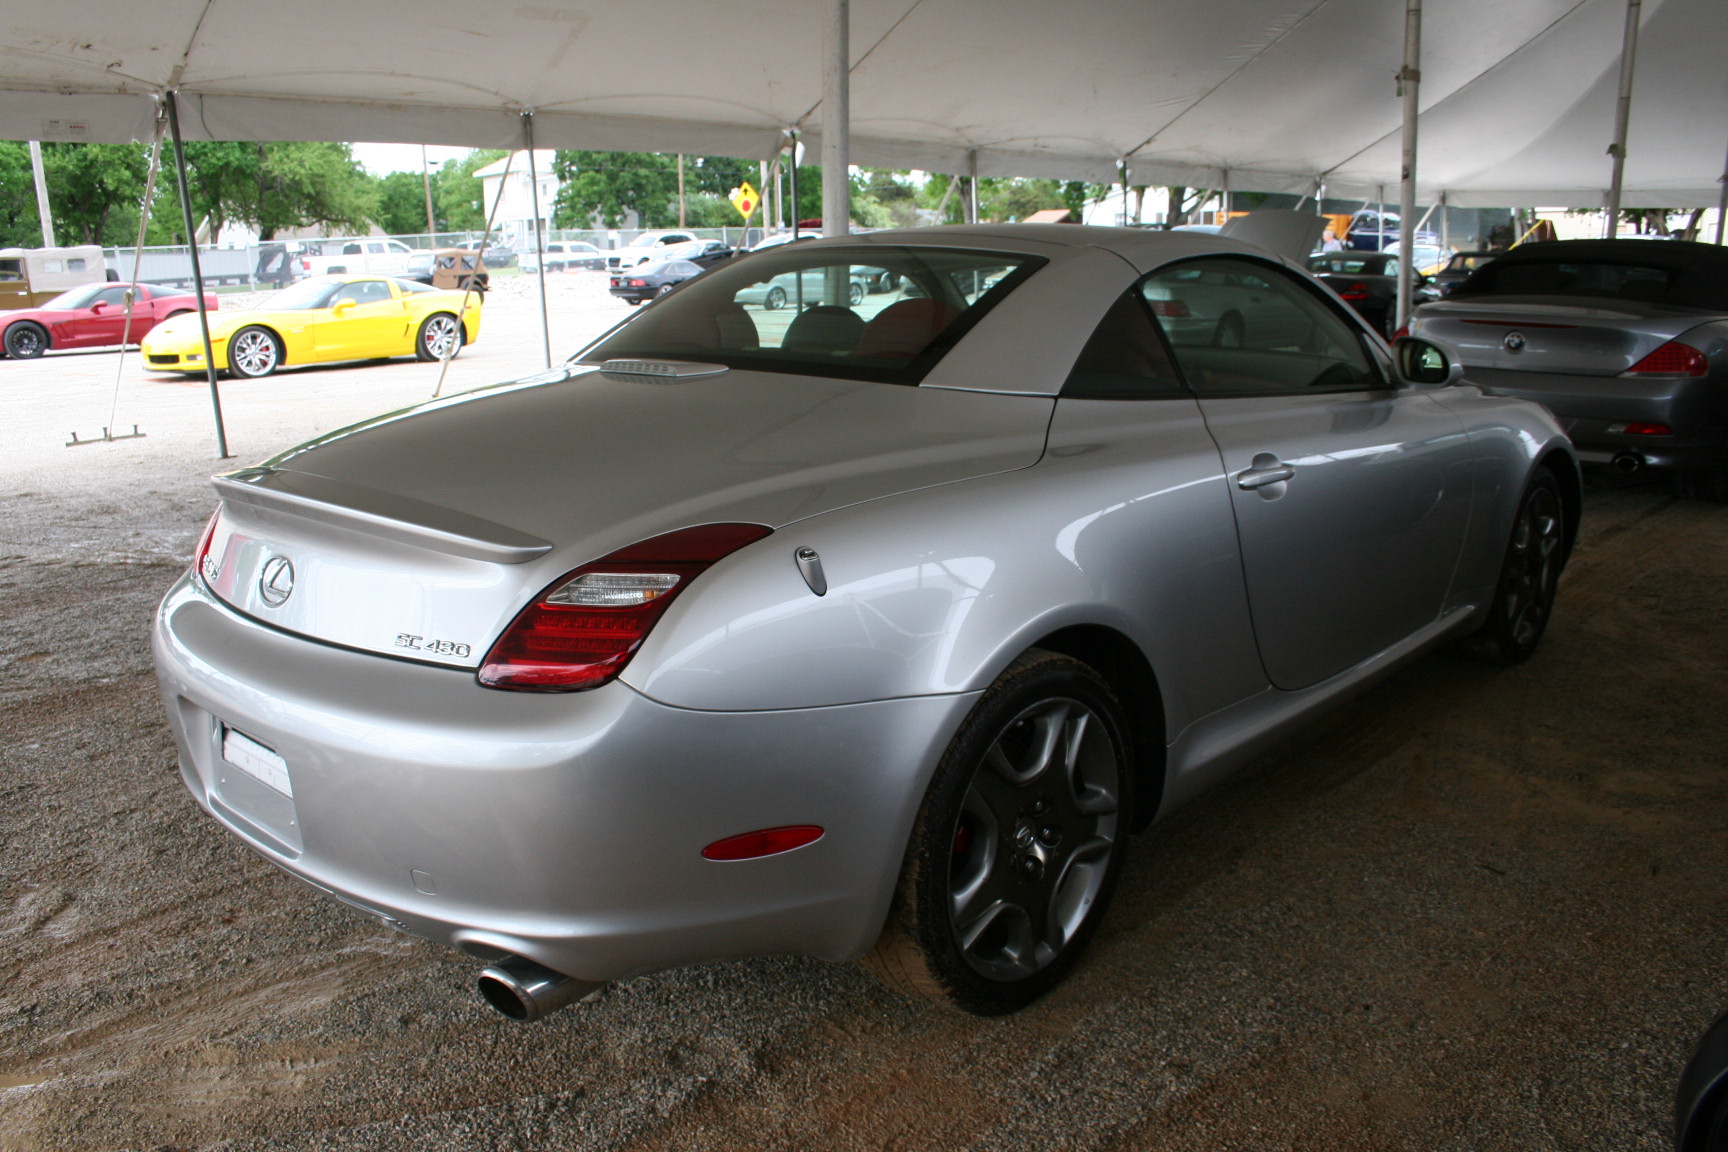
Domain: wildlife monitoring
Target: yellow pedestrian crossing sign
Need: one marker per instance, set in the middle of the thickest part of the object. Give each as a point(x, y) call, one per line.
point(745, 199)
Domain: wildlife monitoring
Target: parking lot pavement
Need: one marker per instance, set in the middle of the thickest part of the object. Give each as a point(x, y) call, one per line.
point(1475, 909)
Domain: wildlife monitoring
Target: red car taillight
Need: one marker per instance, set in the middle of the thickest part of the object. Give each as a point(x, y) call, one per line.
point(1175, 309)
point(638, 283)
point(1401, 333)
point(1672, 359)
point(1356, 291)
point(202, 554)
point(581, 632)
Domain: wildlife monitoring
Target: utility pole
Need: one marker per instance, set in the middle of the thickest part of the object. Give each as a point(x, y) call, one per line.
point(42, 195)
point(426, 177)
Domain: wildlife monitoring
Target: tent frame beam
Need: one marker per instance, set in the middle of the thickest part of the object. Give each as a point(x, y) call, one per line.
point(1622, 117)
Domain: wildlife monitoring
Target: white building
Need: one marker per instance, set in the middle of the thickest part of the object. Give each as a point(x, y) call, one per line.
point(514, 219)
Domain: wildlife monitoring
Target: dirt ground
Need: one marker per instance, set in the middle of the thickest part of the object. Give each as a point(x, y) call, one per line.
point(1475, 909)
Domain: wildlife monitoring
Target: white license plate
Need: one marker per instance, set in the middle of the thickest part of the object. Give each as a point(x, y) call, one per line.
point(256, 761)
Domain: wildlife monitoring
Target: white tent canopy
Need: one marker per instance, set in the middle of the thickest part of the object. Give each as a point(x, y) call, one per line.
point(1517, 96)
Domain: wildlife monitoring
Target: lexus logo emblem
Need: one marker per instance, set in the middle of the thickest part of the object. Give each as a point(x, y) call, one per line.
point(1514, 341)
point(276, 582)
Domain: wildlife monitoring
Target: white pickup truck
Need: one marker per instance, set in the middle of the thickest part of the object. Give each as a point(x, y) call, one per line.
point(379, 255)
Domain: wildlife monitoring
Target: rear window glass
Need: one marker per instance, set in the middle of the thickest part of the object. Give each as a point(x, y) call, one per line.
point(1684, 278)
point(878, 313)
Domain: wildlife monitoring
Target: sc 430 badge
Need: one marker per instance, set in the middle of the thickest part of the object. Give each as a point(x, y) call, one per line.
point(431, 647)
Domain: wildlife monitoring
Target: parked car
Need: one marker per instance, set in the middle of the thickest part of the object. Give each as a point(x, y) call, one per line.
point(653, 278)
point(450, 268)
point(320, 320)
point(859, 632)
point(1625, 341)
point(31, 277)
point(378, 255)
point(651, 246)
point(1372, 231)
point(1368, 282)
point(1459, 267)
point(497, 254)
point(563, 255)
point(93, 316)
point(800, 289)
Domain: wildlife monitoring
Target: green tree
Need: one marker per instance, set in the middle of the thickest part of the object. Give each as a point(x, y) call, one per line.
point(402, 203)
point(19, 225)
point(605, 185)
point(91, 186)
point(456, 191)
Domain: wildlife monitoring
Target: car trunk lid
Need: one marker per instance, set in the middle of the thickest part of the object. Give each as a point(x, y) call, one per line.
point(1552, 334)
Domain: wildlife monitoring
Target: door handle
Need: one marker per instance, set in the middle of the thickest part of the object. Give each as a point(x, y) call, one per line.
point(1264, 474)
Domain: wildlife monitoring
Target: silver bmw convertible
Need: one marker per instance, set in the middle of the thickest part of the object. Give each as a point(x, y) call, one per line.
point(871, 628)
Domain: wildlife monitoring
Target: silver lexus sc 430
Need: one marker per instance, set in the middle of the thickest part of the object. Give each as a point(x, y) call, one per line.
point(870, 626)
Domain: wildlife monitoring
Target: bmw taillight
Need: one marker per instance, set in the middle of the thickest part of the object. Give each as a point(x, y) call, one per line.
point(1176, 309)
point(1356, 291)
point(1672, 359)
point(583, 629)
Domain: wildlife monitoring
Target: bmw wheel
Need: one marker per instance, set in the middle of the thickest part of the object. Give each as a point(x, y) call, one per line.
point(1017, 845)
point(26, 340)
point(775, 300)
point(440, 338)
point(1529, 577)
point(254, 352)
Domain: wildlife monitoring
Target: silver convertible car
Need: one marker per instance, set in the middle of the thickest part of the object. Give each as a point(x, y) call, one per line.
point(872, 629)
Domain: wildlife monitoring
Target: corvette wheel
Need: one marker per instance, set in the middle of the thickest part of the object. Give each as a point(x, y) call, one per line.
point(440, 337)
point(254, 352)
point(1017, 846)
point(1529, 577)
point(26, 341)
point(775, 300)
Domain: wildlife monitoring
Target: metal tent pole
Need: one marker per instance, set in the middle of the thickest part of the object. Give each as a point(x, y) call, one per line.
point(197, 271)
point(836, 118)
point(972, 186)
point(1722, 203)
point(42, 211)
point(539, 236)
point(426, 179)
point(1409, 82)
point(1622, 114)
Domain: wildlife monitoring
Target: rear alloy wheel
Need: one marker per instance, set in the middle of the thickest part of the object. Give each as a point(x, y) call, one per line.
point(1230, 331)
point(26, 340)
point(440, 337)
point(254, 352)
point(855, 294)
point(1529, 577)
point(775, 300)
point(1017, 846)
point(663, 290)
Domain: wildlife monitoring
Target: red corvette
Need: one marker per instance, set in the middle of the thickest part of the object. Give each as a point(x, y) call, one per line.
point(92, 315)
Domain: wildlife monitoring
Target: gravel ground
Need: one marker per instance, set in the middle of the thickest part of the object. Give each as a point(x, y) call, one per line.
point(1475, 909)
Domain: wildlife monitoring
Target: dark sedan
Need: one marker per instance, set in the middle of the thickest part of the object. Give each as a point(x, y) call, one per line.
point(651, 279)
point(93, 316)
point(1625, 341)
point(1458, 269)
point(1368, 282)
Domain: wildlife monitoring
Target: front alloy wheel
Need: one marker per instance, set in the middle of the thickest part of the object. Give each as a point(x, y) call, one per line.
point(253, 352)
point(1529, 577)
point(1017, 846)
point(440, 337)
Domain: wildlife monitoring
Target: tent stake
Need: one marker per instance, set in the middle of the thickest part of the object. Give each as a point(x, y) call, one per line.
point(169, 99)
point(1622, 114)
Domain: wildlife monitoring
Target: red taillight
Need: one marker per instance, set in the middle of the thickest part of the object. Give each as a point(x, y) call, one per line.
point(1401, 333)
point(1356, 291)
point(1176, 309)
point(202, 553)
point(1636, 429)
point(581, 632)
point(1672, 359)
point(767, 842)
point(638, 283)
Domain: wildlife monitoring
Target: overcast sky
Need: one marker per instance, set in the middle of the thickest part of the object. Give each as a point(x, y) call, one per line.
point(382, 159)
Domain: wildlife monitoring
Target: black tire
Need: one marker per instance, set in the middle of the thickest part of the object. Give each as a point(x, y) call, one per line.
point(775, 300)
point(26, 340)
point(1015, 850)
point(1703, 484)
point(855, 294)
point(439, 338)
point(254, 352)
point(1230, 331)
point(1701, 1101)
point(1529, 577)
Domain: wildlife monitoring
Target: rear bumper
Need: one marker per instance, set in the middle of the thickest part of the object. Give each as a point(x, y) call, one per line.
point(564, 828)
point(1590, 408)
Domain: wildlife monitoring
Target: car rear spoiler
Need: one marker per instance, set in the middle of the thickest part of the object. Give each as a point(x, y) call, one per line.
point(384, 514)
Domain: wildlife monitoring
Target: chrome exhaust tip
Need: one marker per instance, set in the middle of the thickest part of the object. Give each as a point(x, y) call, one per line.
point(1628, 462)
point(524, 990)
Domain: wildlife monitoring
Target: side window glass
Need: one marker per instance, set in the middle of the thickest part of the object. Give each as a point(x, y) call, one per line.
point(1125, 359)
point(1242, 328)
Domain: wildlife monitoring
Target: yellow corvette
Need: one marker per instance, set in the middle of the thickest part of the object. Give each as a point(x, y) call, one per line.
point(318, 320)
